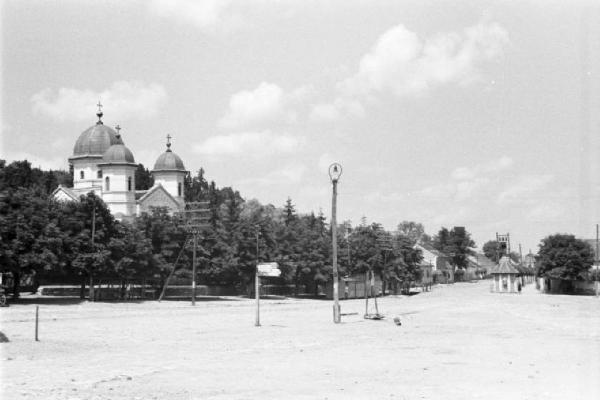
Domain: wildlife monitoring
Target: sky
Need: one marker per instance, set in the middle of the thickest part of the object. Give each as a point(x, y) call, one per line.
point(474, 113)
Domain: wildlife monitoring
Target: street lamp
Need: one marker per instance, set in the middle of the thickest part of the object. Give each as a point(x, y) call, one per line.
point(335, 171)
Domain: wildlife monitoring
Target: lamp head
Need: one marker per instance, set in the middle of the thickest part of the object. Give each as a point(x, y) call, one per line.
point(335, 171)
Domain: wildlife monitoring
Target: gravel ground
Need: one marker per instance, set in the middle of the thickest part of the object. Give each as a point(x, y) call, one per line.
point(456, 342)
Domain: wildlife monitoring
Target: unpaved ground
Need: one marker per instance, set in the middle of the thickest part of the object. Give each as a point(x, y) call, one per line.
point(456, 342)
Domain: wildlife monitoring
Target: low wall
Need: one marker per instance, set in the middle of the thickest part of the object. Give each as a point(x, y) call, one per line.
point(137, 292)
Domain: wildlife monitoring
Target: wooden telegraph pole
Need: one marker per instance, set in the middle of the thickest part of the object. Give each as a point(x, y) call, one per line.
point(197, 215)
point(257, 282)
point(91, 293)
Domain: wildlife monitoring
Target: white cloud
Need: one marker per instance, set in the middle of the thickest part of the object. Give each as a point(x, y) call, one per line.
point(121, 100)
point(329, 112)
point(209, 15)
point(526, 189)
point(403, 64)
point(265, 104)
point(290, 174)
point(249, 144)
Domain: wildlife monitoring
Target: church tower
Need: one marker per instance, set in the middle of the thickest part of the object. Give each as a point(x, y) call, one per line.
point(170, 173)
point(118, 180)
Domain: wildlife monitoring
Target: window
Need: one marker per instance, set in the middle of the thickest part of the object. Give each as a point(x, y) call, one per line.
point(179, 189)
point(99, 174)
point(81, 175)
point(129, 184)
point(107, 180)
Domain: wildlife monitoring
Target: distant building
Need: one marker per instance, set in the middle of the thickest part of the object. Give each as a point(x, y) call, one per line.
point(442, 270)
point(104, 165)
point(505, 276)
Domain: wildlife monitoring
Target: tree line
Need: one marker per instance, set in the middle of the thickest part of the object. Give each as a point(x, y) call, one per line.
point(71, 242)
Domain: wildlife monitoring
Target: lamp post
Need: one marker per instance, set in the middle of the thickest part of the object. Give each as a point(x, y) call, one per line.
point(335, 171)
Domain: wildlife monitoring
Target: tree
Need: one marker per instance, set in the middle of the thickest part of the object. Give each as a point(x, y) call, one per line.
point(143, 178)
point(565, 257)
point(455, 243)
point(412, 230)
point(491, 249)
point(289, 212)
point(30, 241)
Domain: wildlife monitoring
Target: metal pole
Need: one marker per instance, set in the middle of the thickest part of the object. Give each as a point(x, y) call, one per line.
point(257, 285)
point(336, 294)
point(194, 269)
point(91, 293)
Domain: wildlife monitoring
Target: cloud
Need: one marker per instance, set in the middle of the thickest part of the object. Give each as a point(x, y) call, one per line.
point(402, 64)
point(256, 107)
point(265, 105)
point(329, 112)
point(208, 15)
point(468, 182)
point(290, 174)
point(249, 144)
point(121, 100)
point(526, 189)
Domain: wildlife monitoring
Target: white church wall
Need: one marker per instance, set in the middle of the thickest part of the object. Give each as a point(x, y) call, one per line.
point(171, 181)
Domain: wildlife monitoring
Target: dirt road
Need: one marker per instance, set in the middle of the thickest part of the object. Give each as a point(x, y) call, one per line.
point(457, 342)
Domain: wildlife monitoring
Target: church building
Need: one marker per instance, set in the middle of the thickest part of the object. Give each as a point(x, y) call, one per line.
point(104, 165)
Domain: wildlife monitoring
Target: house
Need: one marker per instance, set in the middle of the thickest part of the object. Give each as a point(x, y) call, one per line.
point(441, 269)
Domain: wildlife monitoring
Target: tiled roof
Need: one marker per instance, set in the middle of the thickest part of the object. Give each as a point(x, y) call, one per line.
point(505, 266)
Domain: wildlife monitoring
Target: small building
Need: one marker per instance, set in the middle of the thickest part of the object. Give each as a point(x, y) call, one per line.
point(504, 276)
point(442, 271)
point(353, 287)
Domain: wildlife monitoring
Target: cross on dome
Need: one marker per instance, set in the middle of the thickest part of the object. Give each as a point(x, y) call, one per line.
point(118, 129)
point(99, 114)
point(169, 142)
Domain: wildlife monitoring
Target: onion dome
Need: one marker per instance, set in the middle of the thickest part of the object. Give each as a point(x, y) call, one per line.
point(118, 153)
point(168, 161)
point(95, 140)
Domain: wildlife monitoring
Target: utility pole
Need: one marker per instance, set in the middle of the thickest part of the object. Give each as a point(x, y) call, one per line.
point(195, 233)
point(91, 293)
point(257, 283)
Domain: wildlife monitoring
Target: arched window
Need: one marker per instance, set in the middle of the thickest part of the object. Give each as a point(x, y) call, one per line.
point(99, 174)
point(179, 189)
point(107, 180)
point(129, 184)
point(81, 175)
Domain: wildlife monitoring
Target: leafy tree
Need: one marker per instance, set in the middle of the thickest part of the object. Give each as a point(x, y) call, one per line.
point(455, 243)
point(491, 249)
point(143, 178)
point(30, 241)
point(414, 231)
point(563, 256)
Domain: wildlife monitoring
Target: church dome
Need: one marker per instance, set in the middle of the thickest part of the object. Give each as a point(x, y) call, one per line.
point(118, 153)
point(95, 140)
point(169, 161)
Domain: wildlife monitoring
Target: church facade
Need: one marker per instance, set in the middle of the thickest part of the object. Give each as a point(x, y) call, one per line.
point(104, 165)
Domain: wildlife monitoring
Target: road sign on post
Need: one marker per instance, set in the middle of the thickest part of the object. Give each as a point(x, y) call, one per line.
point(268, 269)
point(263, 270)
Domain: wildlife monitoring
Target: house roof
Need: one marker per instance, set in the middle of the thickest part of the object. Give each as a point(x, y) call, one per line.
point(505, 266)
point(68, 191)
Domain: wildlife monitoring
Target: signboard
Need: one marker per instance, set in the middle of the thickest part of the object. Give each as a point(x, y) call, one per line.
point(268, 269)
